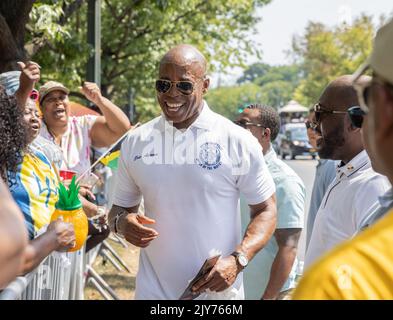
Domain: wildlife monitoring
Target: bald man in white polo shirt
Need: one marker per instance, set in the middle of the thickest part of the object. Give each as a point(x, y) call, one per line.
point(190, 165)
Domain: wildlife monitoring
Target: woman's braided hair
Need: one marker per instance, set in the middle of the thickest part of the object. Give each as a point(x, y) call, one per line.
point(13, 136)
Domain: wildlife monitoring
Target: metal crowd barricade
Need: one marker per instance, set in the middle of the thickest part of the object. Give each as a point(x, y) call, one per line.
point(51, 280)
point(58, 277)
point(63, 276)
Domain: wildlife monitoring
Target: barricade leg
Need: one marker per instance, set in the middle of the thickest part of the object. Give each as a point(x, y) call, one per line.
point(92, 273)
point(106, 245)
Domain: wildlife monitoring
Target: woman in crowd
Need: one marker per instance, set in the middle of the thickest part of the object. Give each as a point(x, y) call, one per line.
point(13, 235)
point(31, 181)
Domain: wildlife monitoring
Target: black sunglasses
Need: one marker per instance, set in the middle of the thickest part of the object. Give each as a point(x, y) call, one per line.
point(320, 110)
point(244, 124)
point(356, 115)
point(184, 87)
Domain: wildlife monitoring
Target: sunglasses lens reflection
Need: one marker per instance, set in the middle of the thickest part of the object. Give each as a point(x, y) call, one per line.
point(185, 87)
point(163, 86)
point(357, 121)
point(356, 115)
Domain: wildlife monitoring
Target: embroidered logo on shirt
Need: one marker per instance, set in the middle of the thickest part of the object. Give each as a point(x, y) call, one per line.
point(138, 157)
point(209, 156)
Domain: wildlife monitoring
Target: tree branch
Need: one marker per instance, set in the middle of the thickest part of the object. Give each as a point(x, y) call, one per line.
point(14, 16)
point(8, 48)
point(68, 10)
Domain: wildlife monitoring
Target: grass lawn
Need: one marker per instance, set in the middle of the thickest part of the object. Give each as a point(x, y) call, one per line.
point(122, 282)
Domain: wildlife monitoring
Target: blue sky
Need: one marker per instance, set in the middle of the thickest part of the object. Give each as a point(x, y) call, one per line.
point(281, 19)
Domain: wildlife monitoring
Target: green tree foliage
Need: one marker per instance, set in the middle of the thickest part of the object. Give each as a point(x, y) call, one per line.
point(254, 71)
point(135, 34)
point(320, 55)
point(229, 100)
point(325, 53)
point(260, 83)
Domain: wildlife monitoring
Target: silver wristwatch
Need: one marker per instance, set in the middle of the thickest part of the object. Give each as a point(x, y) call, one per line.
point(241, 258)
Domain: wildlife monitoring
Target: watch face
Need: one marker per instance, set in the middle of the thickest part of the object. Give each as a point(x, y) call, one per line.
point(242, 260)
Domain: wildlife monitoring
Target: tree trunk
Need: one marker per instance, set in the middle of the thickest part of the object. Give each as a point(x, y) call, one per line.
point(14, 14)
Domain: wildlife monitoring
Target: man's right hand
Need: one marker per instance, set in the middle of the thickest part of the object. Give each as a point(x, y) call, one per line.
point(63, 233)
point(131, 226)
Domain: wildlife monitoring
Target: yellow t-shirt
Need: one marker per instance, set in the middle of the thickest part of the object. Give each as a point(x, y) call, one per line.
point(361, 268)
point(34, 189)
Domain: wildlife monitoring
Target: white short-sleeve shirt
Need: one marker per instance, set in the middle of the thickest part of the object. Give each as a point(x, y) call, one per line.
point(348, 200)
point(75, 143)
point(190, 182)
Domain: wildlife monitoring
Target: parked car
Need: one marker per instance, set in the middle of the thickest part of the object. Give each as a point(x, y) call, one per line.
point(294, 141)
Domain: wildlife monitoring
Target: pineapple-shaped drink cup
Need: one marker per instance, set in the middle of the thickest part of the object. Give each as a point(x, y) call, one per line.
point(69, 208)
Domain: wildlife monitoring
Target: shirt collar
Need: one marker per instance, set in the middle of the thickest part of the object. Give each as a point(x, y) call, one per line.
point(354, 165)
point(205, 120)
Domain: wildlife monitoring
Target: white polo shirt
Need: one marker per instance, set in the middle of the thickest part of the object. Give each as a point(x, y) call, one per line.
point(348, 200)
point(190, 181)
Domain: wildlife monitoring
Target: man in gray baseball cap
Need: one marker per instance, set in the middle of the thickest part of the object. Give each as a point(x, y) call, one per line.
point(376, 98)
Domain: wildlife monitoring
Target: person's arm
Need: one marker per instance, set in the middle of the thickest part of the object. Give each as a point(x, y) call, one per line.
point(112, 125)
point(258, 233)
point(130, 224)
point(287, 241)
point(13, 237)
point(89, 208)
point(29, 76)
point(60, 236)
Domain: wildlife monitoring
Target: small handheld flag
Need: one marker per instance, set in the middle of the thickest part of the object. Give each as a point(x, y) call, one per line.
point(111, 160)
point(114, 149)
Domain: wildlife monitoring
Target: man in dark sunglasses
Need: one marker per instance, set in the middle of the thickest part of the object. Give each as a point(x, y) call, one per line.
point(337, 133)
point(356, 187)
point(191, 202)
point(272, 273)
point(362, 268)
point(180, 89)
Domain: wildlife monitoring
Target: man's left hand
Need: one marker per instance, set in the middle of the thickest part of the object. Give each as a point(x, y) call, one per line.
point(221, 277)
point(92, 92)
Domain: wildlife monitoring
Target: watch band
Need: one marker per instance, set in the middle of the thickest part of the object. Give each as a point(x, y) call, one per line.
point(240, 256)
point(117, 218)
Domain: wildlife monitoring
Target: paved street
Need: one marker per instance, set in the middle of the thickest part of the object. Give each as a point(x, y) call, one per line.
point(305, 168)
